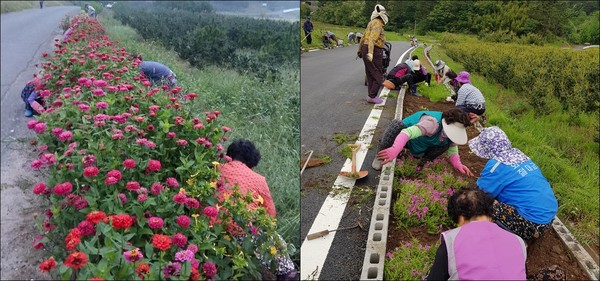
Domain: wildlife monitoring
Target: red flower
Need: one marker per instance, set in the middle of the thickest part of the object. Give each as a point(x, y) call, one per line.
point(90, 171)
point(122, 221)
point(76, 260)
point(129, 163)
point(96, 279)
point(63, 188)
point(161, 242)
point(183, 221)
point(37, 244)
point(86, 228)
point(115, 174)
point(142, 269)
point(72, 244)
point(39, 188)
point(95, 216)
point(48, 265)
point(154, 165)
point(210, 269)
point(211, 211)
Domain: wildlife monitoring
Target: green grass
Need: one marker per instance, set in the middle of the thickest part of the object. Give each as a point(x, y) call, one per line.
point(265, 113)
point(566, 154)
point(341, 32)
point(14, 6)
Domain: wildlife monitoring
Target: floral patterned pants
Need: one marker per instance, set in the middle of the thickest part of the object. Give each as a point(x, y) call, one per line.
point(507, 217)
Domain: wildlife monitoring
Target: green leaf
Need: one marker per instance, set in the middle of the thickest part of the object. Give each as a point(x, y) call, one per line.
point(149, 250)
point(186, 270)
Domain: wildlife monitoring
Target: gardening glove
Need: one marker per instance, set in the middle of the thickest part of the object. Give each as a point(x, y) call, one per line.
point(426, 84)
point(37, 107)
point(473, 117)
point(370, 57)
point(455, 160)
point(389, 154)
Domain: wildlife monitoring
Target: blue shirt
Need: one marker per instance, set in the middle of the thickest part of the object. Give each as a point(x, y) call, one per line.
point(155, 70)
point(522, 186)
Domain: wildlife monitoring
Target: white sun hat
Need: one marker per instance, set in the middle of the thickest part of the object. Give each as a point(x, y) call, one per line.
point(456, 132)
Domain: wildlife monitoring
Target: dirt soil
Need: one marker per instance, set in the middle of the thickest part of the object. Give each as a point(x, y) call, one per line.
point(549, 250)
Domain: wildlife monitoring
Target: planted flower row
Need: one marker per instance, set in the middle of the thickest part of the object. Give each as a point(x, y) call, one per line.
point(133, 186)
point(422, 199)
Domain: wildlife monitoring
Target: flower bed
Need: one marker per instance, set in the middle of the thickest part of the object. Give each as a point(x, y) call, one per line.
point(132, 185)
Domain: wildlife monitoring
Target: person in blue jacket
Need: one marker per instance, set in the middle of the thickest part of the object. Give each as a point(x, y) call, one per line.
point(31, 97)
point(158, 73)
point(525, 203)
point(308, 29)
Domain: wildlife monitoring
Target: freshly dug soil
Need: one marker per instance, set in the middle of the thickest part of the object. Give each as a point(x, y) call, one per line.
point(549, 250)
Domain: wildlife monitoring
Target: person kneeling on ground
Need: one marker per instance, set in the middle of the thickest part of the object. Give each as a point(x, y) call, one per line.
point(426, 134)
point(400, 74)
point(421, 75)
point(477, 249)
point(246, 156)
point(351, 38)
point(30, 96)
point(469, 98)
point(158, 73)
point(525, 203)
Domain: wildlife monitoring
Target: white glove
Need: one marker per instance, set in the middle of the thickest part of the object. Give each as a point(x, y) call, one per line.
point(370, 57)
point(427, 84)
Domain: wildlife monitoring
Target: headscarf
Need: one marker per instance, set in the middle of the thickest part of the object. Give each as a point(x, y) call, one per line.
point(493, 143)
point(379, 11)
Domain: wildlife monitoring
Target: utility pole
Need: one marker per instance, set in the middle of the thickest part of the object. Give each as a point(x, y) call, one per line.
point(415, 29)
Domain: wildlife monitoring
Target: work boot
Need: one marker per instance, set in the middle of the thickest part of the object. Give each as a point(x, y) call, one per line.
point(388, 84)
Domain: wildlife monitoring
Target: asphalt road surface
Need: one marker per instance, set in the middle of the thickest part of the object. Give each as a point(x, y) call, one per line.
point(332, 101)
point(25, 36)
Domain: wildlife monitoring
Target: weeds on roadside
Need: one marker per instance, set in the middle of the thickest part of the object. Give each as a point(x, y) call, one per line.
point(409, 261)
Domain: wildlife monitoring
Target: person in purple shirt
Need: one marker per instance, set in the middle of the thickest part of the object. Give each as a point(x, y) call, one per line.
point(477, 249)
point(158, 73)
point(525, 203)
point(33, 101)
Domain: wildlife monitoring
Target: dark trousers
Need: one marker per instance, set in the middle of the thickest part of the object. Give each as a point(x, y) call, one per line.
point(41, 4)
point(398, 81)
point(469, 108)
point(392, 131)
point(419, 77)
point(308, 37)
point(374, 70)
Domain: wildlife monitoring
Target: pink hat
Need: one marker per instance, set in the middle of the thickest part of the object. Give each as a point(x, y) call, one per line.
point(464, 77)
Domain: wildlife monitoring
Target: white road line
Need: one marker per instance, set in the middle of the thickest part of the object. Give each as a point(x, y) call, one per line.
point(314, 252)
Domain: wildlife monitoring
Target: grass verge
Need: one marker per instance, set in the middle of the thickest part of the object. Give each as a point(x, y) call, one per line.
point(15, 6)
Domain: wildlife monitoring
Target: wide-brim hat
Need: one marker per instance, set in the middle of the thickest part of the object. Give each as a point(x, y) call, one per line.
point(464, 77)
point(439, 64)
point(456, 132)
point(493, 143)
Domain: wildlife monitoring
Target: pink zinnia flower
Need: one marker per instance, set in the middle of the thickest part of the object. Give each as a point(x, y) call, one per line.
point(90, 171)
point(211, 211)
point(80, 203)
point(56, 131)
point(100, 83)
point(182, 142)
point(98, 92)
point(172, 182)
point(123, 198)
point(88, 160)
point(133, 255)
point(38, 245)
point(155, 222)
point(37, 164)
point(63, 188)
point(31, 124)
point(226, 129)
point(112, 88)
point(210, 269)
point(156, 188)
point(171, 135)
point(129, 163)
point(183, 221)
point(66, 136)
point(154, 165)
point(114, 173)
point(39, 188)
point(83, 107)
point(110, 180)
point(193, 247)
point(101, 104)
point(142, 197)
point(180, 198)
point(192, 203)
point(133, 185)
point(180, 240)
point(184, 255)
point(40, 128)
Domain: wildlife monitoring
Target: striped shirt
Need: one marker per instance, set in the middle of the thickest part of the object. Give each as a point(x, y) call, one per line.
point(374, 35)
point(469, 95)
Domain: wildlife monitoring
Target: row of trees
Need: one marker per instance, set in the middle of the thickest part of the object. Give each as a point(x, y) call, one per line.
point(577, 21)
point(257, 46)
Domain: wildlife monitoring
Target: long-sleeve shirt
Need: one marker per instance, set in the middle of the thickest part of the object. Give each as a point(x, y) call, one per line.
point(308, 26)
point(236, 172)
point(374, 35)
point(155, 70)
point(469, 95)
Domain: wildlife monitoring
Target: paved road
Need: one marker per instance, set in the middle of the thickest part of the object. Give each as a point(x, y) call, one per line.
point(25, 36)
point(332, 101)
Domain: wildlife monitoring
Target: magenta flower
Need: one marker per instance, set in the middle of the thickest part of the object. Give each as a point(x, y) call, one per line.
point(211, 211)
point(171, 135)
point(180, 198)
point(210, 269)
point(133, 255)
point(154, 165)
point(37, 164)
point(172, 182)
point(123, 198)
point(63, 188)
point(133, 185)
point(193, 248)
point(31, 124)
point(90, 171)
point(155, 222)
point(101, 104)
point(183, 221)
point(39, 188)
point(180, 240)
point(100, 83)
point(182, 142)
point(129, 163)
point(56, 131)
point(184, 255)
point(86, 228)
point(192, 203)
point(66, 136)
point(40, 128)
point(83, 107)
point(156, 188)
point(142, 197)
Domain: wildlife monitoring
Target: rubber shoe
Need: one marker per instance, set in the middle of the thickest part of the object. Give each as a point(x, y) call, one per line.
point(449, 99)
point(388, 84)
point(28, 113)
point(416, 94)
point(376, 165)
point(375, 100)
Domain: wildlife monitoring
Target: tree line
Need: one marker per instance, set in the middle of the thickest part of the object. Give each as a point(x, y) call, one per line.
point(574, 21)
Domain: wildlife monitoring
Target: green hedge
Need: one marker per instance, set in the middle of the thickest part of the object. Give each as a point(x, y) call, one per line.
point(550, 77)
